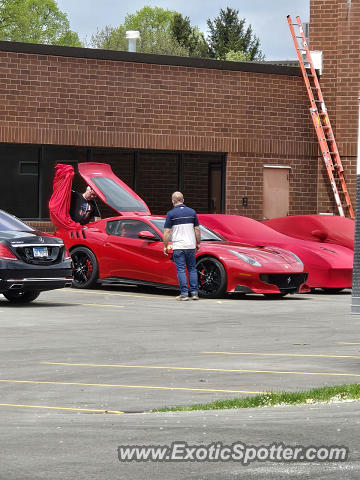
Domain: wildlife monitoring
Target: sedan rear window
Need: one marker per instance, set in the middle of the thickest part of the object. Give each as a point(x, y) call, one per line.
point(10, 223)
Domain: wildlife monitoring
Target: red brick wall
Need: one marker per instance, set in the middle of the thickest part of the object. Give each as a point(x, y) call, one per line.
point(47, 227)
point(245, 179)
point(79, 101)
point(335, 29)
point(48, 99)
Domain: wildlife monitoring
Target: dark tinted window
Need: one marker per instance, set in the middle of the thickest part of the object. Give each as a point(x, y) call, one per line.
point(9, 222)
point(19, 192)
point(116, 197)
point(29, 168)
point(128, 228)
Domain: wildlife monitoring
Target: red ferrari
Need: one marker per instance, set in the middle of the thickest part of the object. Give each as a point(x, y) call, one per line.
point(329, 266)
point(317, 228)
point(128, 249)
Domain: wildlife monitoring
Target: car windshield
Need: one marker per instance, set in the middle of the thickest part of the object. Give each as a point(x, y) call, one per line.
point(117, 197)
point(10, 223)
point(206, 234)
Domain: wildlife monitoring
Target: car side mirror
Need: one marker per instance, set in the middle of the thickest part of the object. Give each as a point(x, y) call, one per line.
point(146, 235)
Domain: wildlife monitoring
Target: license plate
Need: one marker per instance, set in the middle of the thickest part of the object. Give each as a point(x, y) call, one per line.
point(40, 252)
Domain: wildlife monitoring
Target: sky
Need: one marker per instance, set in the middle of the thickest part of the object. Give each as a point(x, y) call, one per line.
point(267, 17)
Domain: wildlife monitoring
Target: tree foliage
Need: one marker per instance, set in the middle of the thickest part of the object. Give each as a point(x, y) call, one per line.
point(35, 21)
point(154, 25)
point(167, 32)
point(110, 38)
point(158, 42)
point(189, 37)
point(228, 33)
point(150, 19)
point(239, 56)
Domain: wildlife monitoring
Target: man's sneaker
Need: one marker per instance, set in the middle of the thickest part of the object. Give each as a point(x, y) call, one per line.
point(182, 298)
point(194, 296)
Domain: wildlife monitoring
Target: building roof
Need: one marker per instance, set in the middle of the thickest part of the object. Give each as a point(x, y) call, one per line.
point(119, 56)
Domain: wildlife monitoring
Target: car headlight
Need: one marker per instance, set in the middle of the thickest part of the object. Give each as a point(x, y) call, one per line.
point(246, 258)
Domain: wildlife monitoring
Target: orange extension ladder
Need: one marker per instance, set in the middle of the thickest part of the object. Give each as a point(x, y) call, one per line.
point(321, 120)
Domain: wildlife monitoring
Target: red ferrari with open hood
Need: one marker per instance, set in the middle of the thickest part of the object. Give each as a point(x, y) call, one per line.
point(111, 190)
point(128, 248)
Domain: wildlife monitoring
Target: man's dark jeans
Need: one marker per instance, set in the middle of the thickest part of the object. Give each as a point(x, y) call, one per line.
point(182, 259)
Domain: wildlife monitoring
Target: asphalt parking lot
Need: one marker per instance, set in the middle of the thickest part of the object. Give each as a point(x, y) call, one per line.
point(78, 362)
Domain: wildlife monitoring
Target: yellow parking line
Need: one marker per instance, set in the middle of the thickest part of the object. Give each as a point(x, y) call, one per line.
point(349, 343)
point(229, 370)
point(60, 408)
point(150, 387)
point(282, 354)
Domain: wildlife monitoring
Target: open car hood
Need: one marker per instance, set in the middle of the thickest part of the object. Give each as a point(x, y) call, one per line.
point(111, 190)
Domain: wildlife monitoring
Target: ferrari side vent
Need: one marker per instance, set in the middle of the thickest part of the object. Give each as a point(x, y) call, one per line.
point(321, 120)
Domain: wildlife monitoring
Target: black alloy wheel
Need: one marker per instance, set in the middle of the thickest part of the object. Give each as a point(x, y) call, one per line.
point(212, 277)
point(85, 267)
point(18, 296)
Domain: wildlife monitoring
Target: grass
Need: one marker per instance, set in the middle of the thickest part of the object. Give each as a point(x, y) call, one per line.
point(323, 394)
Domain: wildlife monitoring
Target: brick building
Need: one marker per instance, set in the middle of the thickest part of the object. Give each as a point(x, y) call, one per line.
point(234, 137)
point(335, 29)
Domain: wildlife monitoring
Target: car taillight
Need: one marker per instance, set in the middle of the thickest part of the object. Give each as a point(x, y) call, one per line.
point(67, 255)
point(6, 253)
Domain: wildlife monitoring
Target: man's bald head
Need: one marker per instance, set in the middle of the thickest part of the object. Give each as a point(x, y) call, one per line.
point(177, 197)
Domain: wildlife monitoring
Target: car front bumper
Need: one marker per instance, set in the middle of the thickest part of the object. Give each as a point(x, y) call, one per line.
point(274, 283)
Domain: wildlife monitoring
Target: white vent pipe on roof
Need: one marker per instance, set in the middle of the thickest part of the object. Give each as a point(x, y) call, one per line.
point(132, 36)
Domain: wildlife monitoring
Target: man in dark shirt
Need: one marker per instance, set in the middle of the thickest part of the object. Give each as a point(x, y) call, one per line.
point(83, 208)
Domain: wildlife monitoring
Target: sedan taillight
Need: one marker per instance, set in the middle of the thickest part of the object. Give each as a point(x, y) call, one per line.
point(6, 253)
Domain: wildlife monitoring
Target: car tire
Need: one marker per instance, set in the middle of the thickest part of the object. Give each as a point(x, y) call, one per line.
point(332, 290)
point(18, 296)
point(85, 268)
point(212, 277)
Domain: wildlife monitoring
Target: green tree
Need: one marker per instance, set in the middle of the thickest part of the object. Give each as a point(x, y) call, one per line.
point(150, 19)
point(240, 56)
point(229, 33)
point(110, 38)
point(159, 42)
point(154, 25)
point(35, 21)
point(189, 37)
